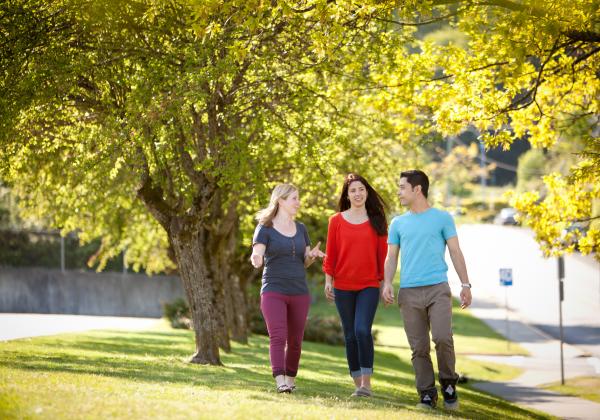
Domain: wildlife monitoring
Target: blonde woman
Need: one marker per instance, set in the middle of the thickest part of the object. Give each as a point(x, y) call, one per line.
point(282, 245)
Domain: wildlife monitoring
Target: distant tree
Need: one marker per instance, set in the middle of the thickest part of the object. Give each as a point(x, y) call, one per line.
point(459, 170)
point(531, 168)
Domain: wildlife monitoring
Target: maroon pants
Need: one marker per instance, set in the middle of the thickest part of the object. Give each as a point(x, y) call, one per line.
point(285, 317)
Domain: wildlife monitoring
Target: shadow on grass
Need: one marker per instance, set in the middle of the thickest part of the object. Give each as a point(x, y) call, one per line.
point(177, 344)
point(160, 357)
point(142, 356)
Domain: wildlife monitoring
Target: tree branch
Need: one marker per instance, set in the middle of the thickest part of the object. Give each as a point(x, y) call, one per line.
point(531, 94)
point(425, 22)
point(586, 56)
point(165, 171)
point(436, 79)
point(584, 36)
point(152, 196)
point(199, 136)
point(187, 163)
point(309, 8)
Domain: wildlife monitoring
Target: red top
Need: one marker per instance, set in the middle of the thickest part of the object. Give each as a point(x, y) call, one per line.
point(355, 254)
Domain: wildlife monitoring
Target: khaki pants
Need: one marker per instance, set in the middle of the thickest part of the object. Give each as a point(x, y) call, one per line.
point(424, 308)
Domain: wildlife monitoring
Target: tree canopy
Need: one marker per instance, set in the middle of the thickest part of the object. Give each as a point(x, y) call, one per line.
point(159, 124)
point(152, 124)
point(525, 69)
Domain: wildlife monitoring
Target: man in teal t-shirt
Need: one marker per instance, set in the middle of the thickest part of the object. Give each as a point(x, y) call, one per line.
point(420, 236)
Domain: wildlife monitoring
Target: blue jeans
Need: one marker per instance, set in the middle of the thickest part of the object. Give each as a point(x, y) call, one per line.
point(357, 310)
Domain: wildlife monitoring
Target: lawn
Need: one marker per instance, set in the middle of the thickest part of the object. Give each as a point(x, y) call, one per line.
point(587, 387)
point(117, 374)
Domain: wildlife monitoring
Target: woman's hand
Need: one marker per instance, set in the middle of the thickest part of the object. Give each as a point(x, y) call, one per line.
point(329, 293)
point(387, 293)
point(258, 255)
point(310, 255)
point(256, 260)
point(316, 252)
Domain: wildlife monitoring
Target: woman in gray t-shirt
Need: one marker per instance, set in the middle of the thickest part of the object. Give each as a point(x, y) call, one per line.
point(283, 246)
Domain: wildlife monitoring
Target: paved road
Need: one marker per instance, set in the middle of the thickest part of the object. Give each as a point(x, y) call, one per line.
point(15, 326)
point(533, 315)
point(534, 295)
point(540, 367)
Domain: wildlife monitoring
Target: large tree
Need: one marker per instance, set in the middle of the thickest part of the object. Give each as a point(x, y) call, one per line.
point(151, 123)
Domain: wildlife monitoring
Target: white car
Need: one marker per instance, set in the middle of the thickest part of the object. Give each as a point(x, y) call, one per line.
point(506, 217)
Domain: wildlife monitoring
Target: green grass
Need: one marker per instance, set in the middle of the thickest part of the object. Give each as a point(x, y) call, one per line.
point(116, 374)
point(587, 387)
point(471, 336)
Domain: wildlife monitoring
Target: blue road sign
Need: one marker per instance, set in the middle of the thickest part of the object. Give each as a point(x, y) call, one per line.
point(506, 277)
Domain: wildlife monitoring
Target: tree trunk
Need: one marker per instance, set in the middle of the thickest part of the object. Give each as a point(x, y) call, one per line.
point(228, 294)
point(213, 252)
point(244, 275)
point(226, 290)
point(194, 271)
point(205, 256)
point(229, 297)
point(238, 322)
point(239, 325)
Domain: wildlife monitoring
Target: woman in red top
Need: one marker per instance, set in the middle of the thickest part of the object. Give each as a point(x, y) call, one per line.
point(356, 249)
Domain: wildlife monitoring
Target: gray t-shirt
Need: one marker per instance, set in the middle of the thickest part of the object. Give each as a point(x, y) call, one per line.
point(284, 270)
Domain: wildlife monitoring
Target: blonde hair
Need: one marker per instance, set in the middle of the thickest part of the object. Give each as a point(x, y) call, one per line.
point(266, 215)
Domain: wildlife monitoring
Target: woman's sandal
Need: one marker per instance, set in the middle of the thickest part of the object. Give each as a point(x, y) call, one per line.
point(284, 388)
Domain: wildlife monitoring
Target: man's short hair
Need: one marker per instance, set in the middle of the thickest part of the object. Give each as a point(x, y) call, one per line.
point(416, 177)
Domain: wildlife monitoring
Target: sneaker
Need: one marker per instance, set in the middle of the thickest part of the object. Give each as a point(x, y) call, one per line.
point(361, 391)
point(364, 392)
point(283, 389)
point(428, 400)
point(450, 396)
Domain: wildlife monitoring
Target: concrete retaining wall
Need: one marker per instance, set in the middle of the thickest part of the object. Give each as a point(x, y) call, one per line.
point(49, 291)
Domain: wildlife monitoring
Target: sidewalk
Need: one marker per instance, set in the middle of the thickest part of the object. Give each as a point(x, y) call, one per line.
point(541, 367)
point(15, 326)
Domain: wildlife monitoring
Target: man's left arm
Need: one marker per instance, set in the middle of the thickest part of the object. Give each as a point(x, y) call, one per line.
point(458, 260)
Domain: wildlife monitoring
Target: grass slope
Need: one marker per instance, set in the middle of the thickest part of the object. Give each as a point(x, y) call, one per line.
point(587, 387)
point(123, 375)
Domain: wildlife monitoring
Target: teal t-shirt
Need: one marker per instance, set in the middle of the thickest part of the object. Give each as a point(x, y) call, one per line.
point(422, 240)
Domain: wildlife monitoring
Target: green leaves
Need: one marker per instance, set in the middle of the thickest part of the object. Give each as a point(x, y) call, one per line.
point(187, 100)
point(524, 70)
